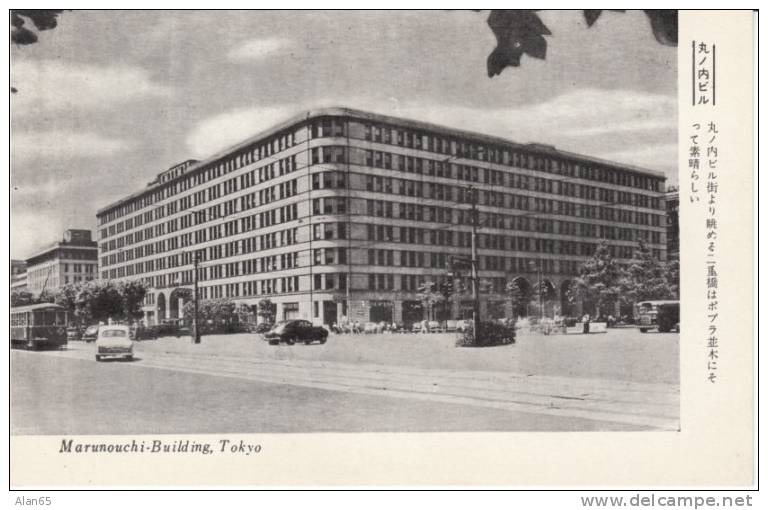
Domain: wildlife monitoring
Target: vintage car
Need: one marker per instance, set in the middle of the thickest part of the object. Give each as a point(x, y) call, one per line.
point(662, 315)
point(293, 331)
point(90, 333)
point(114, 342)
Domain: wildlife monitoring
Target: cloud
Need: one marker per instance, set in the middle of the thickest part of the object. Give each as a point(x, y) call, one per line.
point(34, 230)
point(52, 85)
point(258, 49)
point(592, 122)
point(650, 156)
point(62, 145)
point(221, 131)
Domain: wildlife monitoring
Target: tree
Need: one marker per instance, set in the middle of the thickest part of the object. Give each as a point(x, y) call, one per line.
point(100, 300)
point(673, 277)
point(22, 298)
point(599, 283)
point(429, 297)
point(646, 277)
point(216, 311)
point(267, 310)
point(67, 296)
point(42, 19)
point(133, 293)
point(521, 31)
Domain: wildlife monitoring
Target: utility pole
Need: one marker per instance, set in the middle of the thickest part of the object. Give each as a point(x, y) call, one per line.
point(196, 334)
point(475, 293)
point(541, 310)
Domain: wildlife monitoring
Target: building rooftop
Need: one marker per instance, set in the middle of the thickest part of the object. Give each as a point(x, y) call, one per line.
point(191, 165)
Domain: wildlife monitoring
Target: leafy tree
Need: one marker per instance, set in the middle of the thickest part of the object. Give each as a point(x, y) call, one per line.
point(216, 311)
point(68, 297)
point(22, 298)
point(646, 277)
point(42, 19)
point(267, 310)
point(133, 293)
point(673, 277)
point(521, 32)
point(429, 295)
point(600, 281)
point(100, 300)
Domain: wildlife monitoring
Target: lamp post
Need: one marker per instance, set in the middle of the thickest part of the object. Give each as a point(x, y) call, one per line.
point(196, 334)
point(475, 293)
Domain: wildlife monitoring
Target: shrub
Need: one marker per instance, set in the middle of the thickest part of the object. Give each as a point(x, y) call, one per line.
point(488, 335)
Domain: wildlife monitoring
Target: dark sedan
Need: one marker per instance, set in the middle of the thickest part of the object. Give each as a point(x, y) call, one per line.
point(291, 332)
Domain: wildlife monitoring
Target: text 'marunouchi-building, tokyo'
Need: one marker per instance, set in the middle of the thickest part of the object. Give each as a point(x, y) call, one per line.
point(343, 213)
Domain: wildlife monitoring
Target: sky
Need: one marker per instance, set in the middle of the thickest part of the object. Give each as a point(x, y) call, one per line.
point(109, 99)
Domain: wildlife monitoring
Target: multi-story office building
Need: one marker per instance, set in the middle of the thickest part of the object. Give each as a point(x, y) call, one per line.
point(673, 222)
point(341, 212)
point(73, 259)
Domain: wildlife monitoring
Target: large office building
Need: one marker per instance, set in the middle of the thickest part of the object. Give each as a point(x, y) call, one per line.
point(339, 212)
point(73, 259)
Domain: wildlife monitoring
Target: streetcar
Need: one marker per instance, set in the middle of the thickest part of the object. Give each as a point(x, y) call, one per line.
point(662, 315)
point(38, 326)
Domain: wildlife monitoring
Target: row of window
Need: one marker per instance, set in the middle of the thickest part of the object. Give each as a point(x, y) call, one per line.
point(504, 179)
point(233, 227)
point(258, 175)
point(516, 157)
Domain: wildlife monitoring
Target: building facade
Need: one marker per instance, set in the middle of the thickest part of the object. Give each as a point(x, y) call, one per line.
point(342, 213)
point(73, 259)
point(18, 275)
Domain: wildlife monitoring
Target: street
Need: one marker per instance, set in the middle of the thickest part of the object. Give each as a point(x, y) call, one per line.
point(621, 380)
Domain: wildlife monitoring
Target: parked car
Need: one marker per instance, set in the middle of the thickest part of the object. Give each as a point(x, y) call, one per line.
point(143, 333)
point(114, 342)
point(90, 333)
point(293, 331)
point(73, 334)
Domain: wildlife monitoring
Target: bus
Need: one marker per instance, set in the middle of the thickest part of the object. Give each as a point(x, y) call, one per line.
point(662, 315)
point(40, 325)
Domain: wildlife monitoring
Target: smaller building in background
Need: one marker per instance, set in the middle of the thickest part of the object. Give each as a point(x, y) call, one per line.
point(18, 275)
point(673, 223)
point(73, 259)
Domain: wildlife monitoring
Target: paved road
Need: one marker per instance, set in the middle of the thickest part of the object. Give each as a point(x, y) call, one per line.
point(176, 387)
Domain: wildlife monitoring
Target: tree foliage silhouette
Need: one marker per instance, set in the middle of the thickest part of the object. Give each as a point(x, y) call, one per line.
point(521, 32)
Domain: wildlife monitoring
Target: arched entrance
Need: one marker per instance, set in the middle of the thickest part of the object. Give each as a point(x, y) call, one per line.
point(567, 308)
point(176, 302)
point(521, 293)
point(160, 307)
point(548, 298)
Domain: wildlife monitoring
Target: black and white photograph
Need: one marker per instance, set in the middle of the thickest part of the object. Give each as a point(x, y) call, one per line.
point(239, 222)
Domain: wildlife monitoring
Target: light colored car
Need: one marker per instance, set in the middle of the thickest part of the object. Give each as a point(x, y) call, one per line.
point(114, 342)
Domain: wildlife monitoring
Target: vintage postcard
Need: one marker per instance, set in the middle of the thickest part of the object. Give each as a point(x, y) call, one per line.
point(478, 248)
